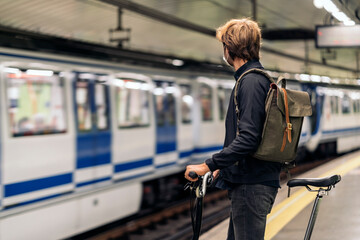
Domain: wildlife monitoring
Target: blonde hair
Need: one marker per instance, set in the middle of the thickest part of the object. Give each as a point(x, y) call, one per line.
point(241, 37)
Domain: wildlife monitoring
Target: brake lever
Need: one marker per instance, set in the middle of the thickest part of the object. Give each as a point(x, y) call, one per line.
point(187, 186)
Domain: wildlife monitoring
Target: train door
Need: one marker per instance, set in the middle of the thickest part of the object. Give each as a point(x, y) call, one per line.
point(185, 128)
point(207, 140)
point(92, 113)
point(165, 115)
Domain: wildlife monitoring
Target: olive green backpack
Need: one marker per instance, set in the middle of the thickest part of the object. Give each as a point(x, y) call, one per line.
point(285, 111)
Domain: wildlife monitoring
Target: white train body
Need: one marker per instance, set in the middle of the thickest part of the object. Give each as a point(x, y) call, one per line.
point(80, 137)
point(337, 125)
point(74, 156)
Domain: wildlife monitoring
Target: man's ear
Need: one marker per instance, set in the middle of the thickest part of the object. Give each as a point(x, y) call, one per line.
point(229, 57)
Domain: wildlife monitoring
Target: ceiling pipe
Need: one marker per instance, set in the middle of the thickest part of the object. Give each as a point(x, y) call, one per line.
point(160, 16)
point(169, 19)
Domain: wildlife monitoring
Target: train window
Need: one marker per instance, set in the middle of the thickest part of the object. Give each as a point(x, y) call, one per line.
point(165, 103)
point(345, 104)
point(186, 103)
point(315, 102)
point(83, 105)
point(356, 105)
point(132, 99)
point(224, 98)
point(334, 102)
point(101, 107)
point(36, 103)
point(206, 102)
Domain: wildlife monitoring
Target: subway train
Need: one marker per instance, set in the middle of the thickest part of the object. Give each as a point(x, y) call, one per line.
point(86, 142)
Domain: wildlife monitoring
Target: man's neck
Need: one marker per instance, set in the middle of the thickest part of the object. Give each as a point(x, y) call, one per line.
point(238, 63)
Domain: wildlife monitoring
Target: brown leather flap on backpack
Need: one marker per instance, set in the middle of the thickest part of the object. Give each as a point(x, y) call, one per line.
point(298, 103)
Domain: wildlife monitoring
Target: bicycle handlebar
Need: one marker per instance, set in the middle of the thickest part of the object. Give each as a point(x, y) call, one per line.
point(193, 175)
point(201, 184)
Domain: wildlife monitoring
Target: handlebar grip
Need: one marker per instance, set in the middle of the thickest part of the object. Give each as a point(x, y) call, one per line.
point(193, 175)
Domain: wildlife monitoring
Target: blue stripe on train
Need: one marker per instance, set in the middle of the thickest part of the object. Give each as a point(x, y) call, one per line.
point(54, 181)
point(200, 150)
point(208, 149)
point(166, 165)
point(133, 165)
point(85, 162)
point(36, 200)
point(133, 177)
point(186, 153)
point(82, 184)
point(341, 130)
point(37, 184)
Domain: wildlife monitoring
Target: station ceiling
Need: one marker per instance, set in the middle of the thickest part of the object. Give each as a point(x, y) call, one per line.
point(91, 21)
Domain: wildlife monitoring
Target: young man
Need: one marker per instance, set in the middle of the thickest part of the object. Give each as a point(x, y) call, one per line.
point(252, 183)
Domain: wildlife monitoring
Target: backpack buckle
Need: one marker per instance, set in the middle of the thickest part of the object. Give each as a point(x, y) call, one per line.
point(289, 126)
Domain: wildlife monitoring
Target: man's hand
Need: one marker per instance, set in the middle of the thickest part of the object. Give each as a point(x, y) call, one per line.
point(216, 173)
point(199, 169)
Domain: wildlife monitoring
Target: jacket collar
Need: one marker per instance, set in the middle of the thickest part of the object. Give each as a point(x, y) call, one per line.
point(249, 65)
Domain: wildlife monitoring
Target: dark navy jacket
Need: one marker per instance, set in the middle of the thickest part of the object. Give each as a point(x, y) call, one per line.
point(235, 160)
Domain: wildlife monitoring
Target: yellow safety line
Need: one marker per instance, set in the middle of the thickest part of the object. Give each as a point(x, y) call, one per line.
point(285, 211)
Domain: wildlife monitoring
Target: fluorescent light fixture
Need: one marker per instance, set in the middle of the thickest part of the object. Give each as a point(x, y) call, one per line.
point(170, 90)
point(188, 99)
point(177, 62)
point(318, 3)
point(86, 76)
point(118, 82)
point(349, 23)
point(325, 79)
point(305, 77)
point(340, 16)
point(158, 91)
point(12, 70)
point(330, 6)
point(334, 10)
point(315, 78)
point(145, 86)
point(133, 85)
point(46, 73)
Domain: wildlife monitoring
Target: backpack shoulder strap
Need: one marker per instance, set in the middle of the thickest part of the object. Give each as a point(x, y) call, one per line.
point(255, 70)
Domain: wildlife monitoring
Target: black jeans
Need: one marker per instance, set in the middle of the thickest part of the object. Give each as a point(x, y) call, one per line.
point(250, 204)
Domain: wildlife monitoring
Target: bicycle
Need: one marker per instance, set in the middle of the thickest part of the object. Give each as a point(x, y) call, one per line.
point(325, 185)
point(198, 189)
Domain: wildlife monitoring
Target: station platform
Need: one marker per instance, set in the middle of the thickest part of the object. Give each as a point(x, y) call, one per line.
point(339, 212)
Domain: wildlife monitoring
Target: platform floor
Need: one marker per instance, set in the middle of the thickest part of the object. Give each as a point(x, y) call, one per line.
point(339, 213)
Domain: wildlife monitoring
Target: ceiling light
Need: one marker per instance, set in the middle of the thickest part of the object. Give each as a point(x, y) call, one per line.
point(340, 16)
point(334, 10)
point(315, 78)
point(319, 3)
point(330, 6)
point(177, 62)
point(305, 77)
point(349, 23)
point(46, 73)
point(12, 70)
point(158, 91)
